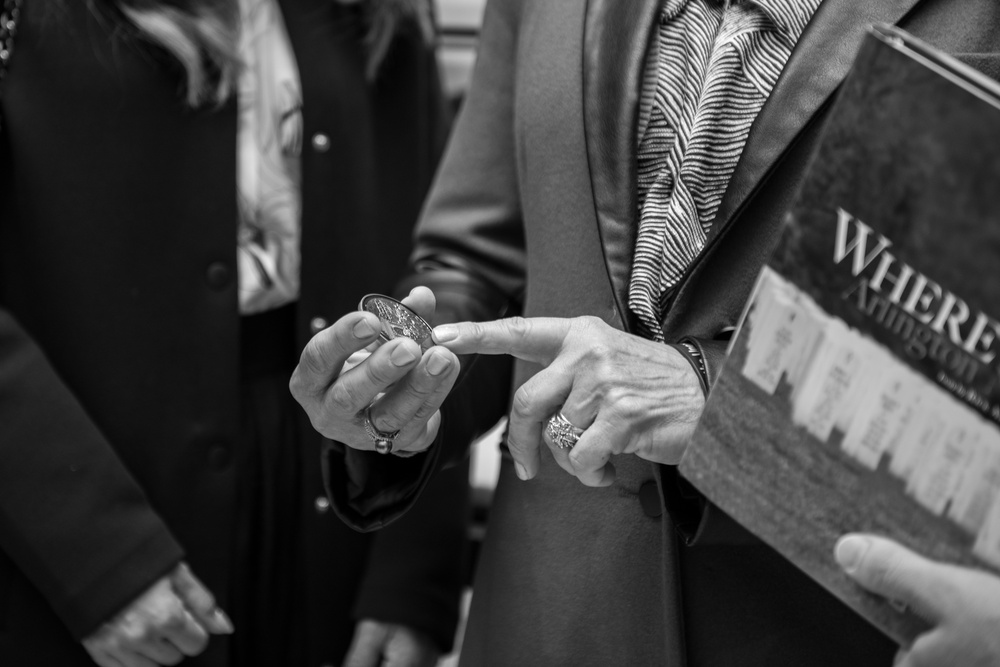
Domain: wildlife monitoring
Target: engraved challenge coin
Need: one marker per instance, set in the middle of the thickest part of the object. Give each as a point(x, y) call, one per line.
point(397, 320)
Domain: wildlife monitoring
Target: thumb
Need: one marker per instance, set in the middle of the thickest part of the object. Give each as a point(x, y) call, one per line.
point(199, 601)
point(893, 571)
point(366, 647)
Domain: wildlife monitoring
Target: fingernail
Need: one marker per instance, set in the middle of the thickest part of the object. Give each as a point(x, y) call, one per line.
point(849, 552)
point(445, 333)
point(225, 625)
point(437, 364)
point(402, 355)
point(363, 329)
point(521, 472)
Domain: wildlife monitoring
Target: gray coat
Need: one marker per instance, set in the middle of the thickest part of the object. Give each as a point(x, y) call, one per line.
point(535, 208)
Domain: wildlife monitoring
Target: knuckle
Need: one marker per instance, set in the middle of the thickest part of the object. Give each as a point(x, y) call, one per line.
point(473, 330)
point(311, 360)
point(430, 402)
point(174, 621)
point(421, 389)
point(600, 353)
point(517, 328)
point(423, 413)
point(341, 398)
point(588, 322)
point(523, 402)
point(377, 373)
point(515, 446)
point(578, 461)
point(134, 634)
point(297, 385)
point(388, 419)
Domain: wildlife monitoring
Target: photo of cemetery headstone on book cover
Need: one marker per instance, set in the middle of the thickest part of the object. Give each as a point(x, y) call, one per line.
point(862, 390)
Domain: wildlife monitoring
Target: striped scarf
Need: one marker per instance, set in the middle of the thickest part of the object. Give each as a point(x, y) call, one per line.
point(711, 68)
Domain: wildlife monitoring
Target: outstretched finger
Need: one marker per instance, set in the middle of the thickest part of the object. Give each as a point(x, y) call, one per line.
point(894, 572)
point(536, 339)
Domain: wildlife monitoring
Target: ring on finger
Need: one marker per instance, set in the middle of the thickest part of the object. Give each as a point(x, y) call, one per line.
point(562, 432)
point(383, 439)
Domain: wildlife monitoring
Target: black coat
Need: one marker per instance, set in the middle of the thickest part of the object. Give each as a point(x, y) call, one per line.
point(535, 204)
point(119, 328)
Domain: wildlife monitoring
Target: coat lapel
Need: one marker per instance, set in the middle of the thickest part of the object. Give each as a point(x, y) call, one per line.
point(616, 36)
point(616, 40)
point(818, 64)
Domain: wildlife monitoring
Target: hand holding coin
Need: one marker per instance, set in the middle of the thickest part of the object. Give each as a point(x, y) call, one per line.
point(388, 398)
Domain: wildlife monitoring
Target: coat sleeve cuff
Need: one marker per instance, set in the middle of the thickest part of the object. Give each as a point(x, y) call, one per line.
point(102, 599)
point(698, 522)
point(369, 490)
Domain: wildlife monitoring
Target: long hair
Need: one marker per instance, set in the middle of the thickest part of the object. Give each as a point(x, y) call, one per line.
point(202, 36)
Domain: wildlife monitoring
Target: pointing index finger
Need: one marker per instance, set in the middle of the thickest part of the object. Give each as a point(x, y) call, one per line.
point(535, 339)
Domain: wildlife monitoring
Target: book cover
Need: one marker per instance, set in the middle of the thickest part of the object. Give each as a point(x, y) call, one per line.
point(862, 389)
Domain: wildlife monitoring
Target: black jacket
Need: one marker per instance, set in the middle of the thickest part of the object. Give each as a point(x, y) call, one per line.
point(119, 329)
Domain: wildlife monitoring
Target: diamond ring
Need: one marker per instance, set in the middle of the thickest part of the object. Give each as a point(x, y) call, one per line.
point(562, 432)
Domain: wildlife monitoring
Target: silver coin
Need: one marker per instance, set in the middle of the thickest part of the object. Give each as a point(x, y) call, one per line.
point(397, 320)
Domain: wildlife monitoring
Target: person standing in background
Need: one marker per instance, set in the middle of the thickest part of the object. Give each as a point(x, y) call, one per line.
point(188, 191)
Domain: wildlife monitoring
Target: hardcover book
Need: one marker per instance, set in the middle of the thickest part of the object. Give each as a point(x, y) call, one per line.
point(862, 389)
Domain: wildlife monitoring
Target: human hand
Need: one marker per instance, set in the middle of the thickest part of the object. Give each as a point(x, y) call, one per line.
point(339, 375)
point(962, 604)
point(171, 620)
point(628, 394)
point(378, 644)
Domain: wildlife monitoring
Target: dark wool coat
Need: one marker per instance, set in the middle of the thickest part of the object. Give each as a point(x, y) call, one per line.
point(119, 328)
point(535, 204)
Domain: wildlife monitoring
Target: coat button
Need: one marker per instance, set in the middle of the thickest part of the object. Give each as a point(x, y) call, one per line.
point(649, 498)
point(322, 504)
point(219, 456)
point(218, 275)
point(320, 142)
point(317, 324)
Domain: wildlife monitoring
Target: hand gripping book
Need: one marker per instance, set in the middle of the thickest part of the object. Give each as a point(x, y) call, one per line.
point(862, 389)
